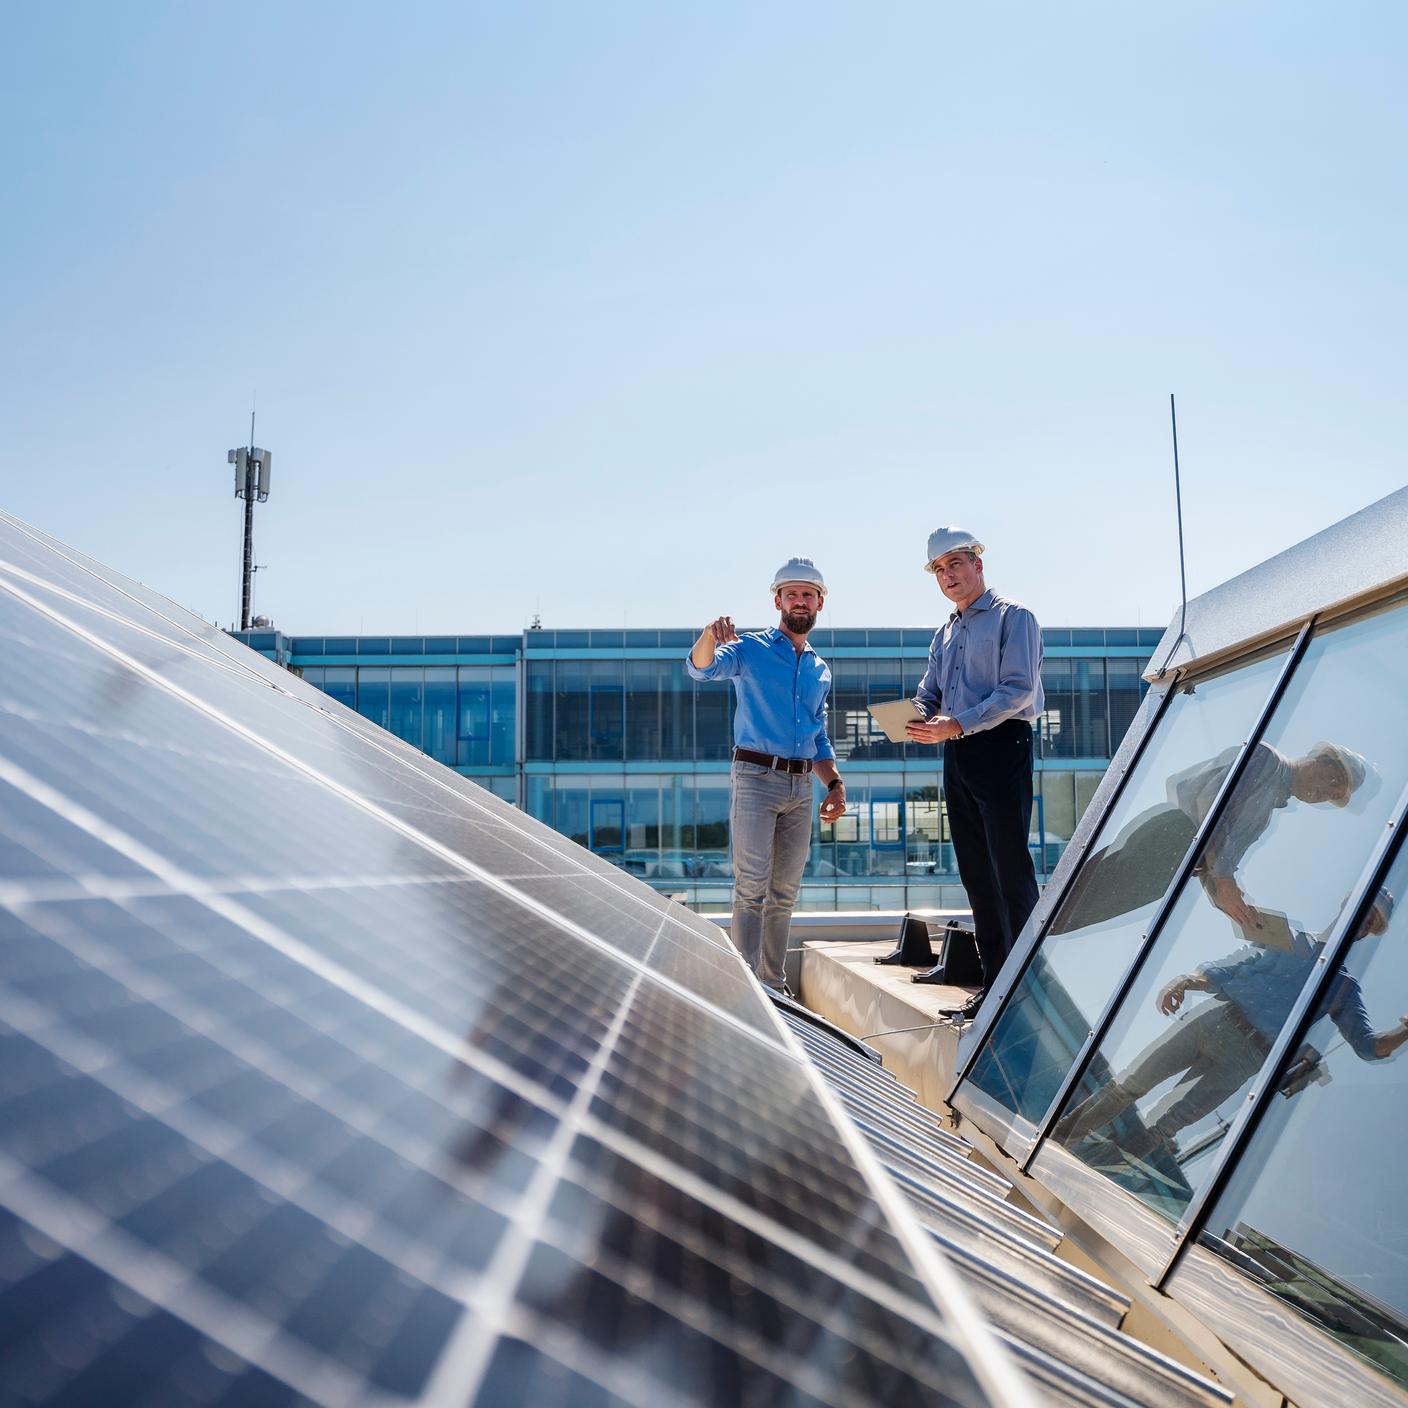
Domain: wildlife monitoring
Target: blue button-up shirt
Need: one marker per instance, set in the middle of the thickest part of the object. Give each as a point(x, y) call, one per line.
point(1265, 982)
point(781, 694)
point(1264, 788)
point(985, 666)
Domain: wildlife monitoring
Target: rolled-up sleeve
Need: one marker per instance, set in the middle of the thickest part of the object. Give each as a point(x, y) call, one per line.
point(825, 749)
point(1348, 1013)
point(724, 666)
point(1018, 676)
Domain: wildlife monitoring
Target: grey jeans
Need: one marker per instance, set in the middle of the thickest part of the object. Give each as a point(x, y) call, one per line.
point(770, 831)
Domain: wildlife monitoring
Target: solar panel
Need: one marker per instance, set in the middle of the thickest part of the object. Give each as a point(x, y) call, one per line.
point(327, 1077)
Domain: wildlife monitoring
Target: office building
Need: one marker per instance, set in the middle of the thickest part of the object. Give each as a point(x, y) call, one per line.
point(602, 734)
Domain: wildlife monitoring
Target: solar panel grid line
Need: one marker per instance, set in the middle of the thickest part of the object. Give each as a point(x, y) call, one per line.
point(213, 640)
point(991, 1364)
point(460, 1371)
point(222, 1319)
point(804, 1249)
point(93, 885)
point(257, 1056)
point(387, 744)
point(222, 1140)
point(637, 980)
point(231, 664)
point(263, 1058)
point(301, 953)
point(1049, 1323)
point(799, 1375)
point(398, 1137)
point(637, 969)
point(531, 1367)
point(794, 1361)
point(351, 721)
point(346, 794)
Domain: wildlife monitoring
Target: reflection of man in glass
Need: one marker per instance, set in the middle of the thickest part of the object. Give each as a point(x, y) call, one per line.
point(1136, 867)
point(1220, 1044)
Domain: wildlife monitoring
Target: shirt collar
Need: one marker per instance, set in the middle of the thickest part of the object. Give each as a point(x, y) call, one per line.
point(777, 634)
point(983, 603)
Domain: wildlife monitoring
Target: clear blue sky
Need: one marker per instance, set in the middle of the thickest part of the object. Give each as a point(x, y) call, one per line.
point(604, 309)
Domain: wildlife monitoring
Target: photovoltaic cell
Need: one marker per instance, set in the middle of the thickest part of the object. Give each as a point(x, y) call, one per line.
point(324, 1077)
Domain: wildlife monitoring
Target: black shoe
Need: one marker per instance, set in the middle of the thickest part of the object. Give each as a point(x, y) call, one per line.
point(969, 1010)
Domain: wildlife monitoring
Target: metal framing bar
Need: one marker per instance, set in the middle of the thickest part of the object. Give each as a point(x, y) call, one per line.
point(1293, 1029)
point(1171, 895)
point(980, 1031)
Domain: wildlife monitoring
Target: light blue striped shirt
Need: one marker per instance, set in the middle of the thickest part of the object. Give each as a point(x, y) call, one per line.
point(781, 694)
point(985, 666)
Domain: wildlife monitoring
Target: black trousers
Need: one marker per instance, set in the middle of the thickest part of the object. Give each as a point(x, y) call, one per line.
point(988, 789)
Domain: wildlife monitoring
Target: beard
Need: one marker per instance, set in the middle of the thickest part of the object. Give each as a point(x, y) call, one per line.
point(799, 622)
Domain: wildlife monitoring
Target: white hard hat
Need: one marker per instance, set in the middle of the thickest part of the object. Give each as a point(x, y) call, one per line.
point(799, 569)
point(943, 541)
point(1356, 769)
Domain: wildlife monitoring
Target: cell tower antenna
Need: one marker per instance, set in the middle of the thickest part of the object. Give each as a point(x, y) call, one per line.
point(252, 485)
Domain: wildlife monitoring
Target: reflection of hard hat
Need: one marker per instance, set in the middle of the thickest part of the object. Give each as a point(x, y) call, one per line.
point(799, 569)
point(1383, 903)
point(943, 541)
point(1355, 769)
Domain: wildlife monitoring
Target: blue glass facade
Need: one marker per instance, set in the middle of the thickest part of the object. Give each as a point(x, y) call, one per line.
point(602, 734)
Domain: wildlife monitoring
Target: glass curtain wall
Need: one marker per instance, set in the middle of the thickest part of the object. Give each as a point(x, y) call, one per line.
point(1102, 920)
point(1165, 1000)
point(461, 716)
point(1296, 1214)
point(1270, 885)
point(608, 712)
point(637, 710)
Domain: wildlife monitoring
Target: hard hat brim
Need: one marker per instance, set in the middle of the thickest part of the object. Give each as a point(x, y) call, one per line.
point(978, 548)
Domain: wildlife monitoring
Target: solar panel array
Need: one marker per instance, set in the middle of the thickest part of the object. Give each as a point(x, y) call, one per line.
point(327, 1077)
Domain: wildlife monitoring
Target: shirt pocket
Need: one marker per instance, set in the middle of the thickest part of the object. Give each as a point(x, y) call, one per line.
point(813, 692)
point(981, 666)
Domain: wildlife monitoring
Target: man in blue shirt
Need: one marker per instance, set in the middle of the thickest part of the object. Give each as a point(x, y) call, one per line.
point(1218, 1045)
point(979, 697)
point(779, 726)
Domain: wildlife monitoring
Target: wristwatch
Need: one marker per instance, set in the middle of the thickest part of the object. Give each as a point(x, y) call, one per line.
point(834, 783)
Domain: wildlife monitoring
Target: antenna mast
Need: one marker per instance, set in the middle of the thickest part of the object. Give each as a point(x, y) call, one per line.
point(1182, 574)
point(251, 485)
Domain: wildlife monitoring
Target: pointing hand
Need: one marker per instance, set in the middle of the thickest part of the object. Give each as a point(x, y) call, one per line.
point(723, 630)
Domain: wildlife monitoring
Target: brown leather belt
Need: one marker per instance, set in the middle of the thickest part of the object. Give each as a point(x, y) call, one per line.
point(768, 760)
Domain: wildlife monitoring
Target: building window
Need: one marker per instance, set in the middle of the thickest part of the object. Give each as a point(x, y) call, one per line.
point(374, 695)
point(440, 729)
point(407, 703)
point(540, 722)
